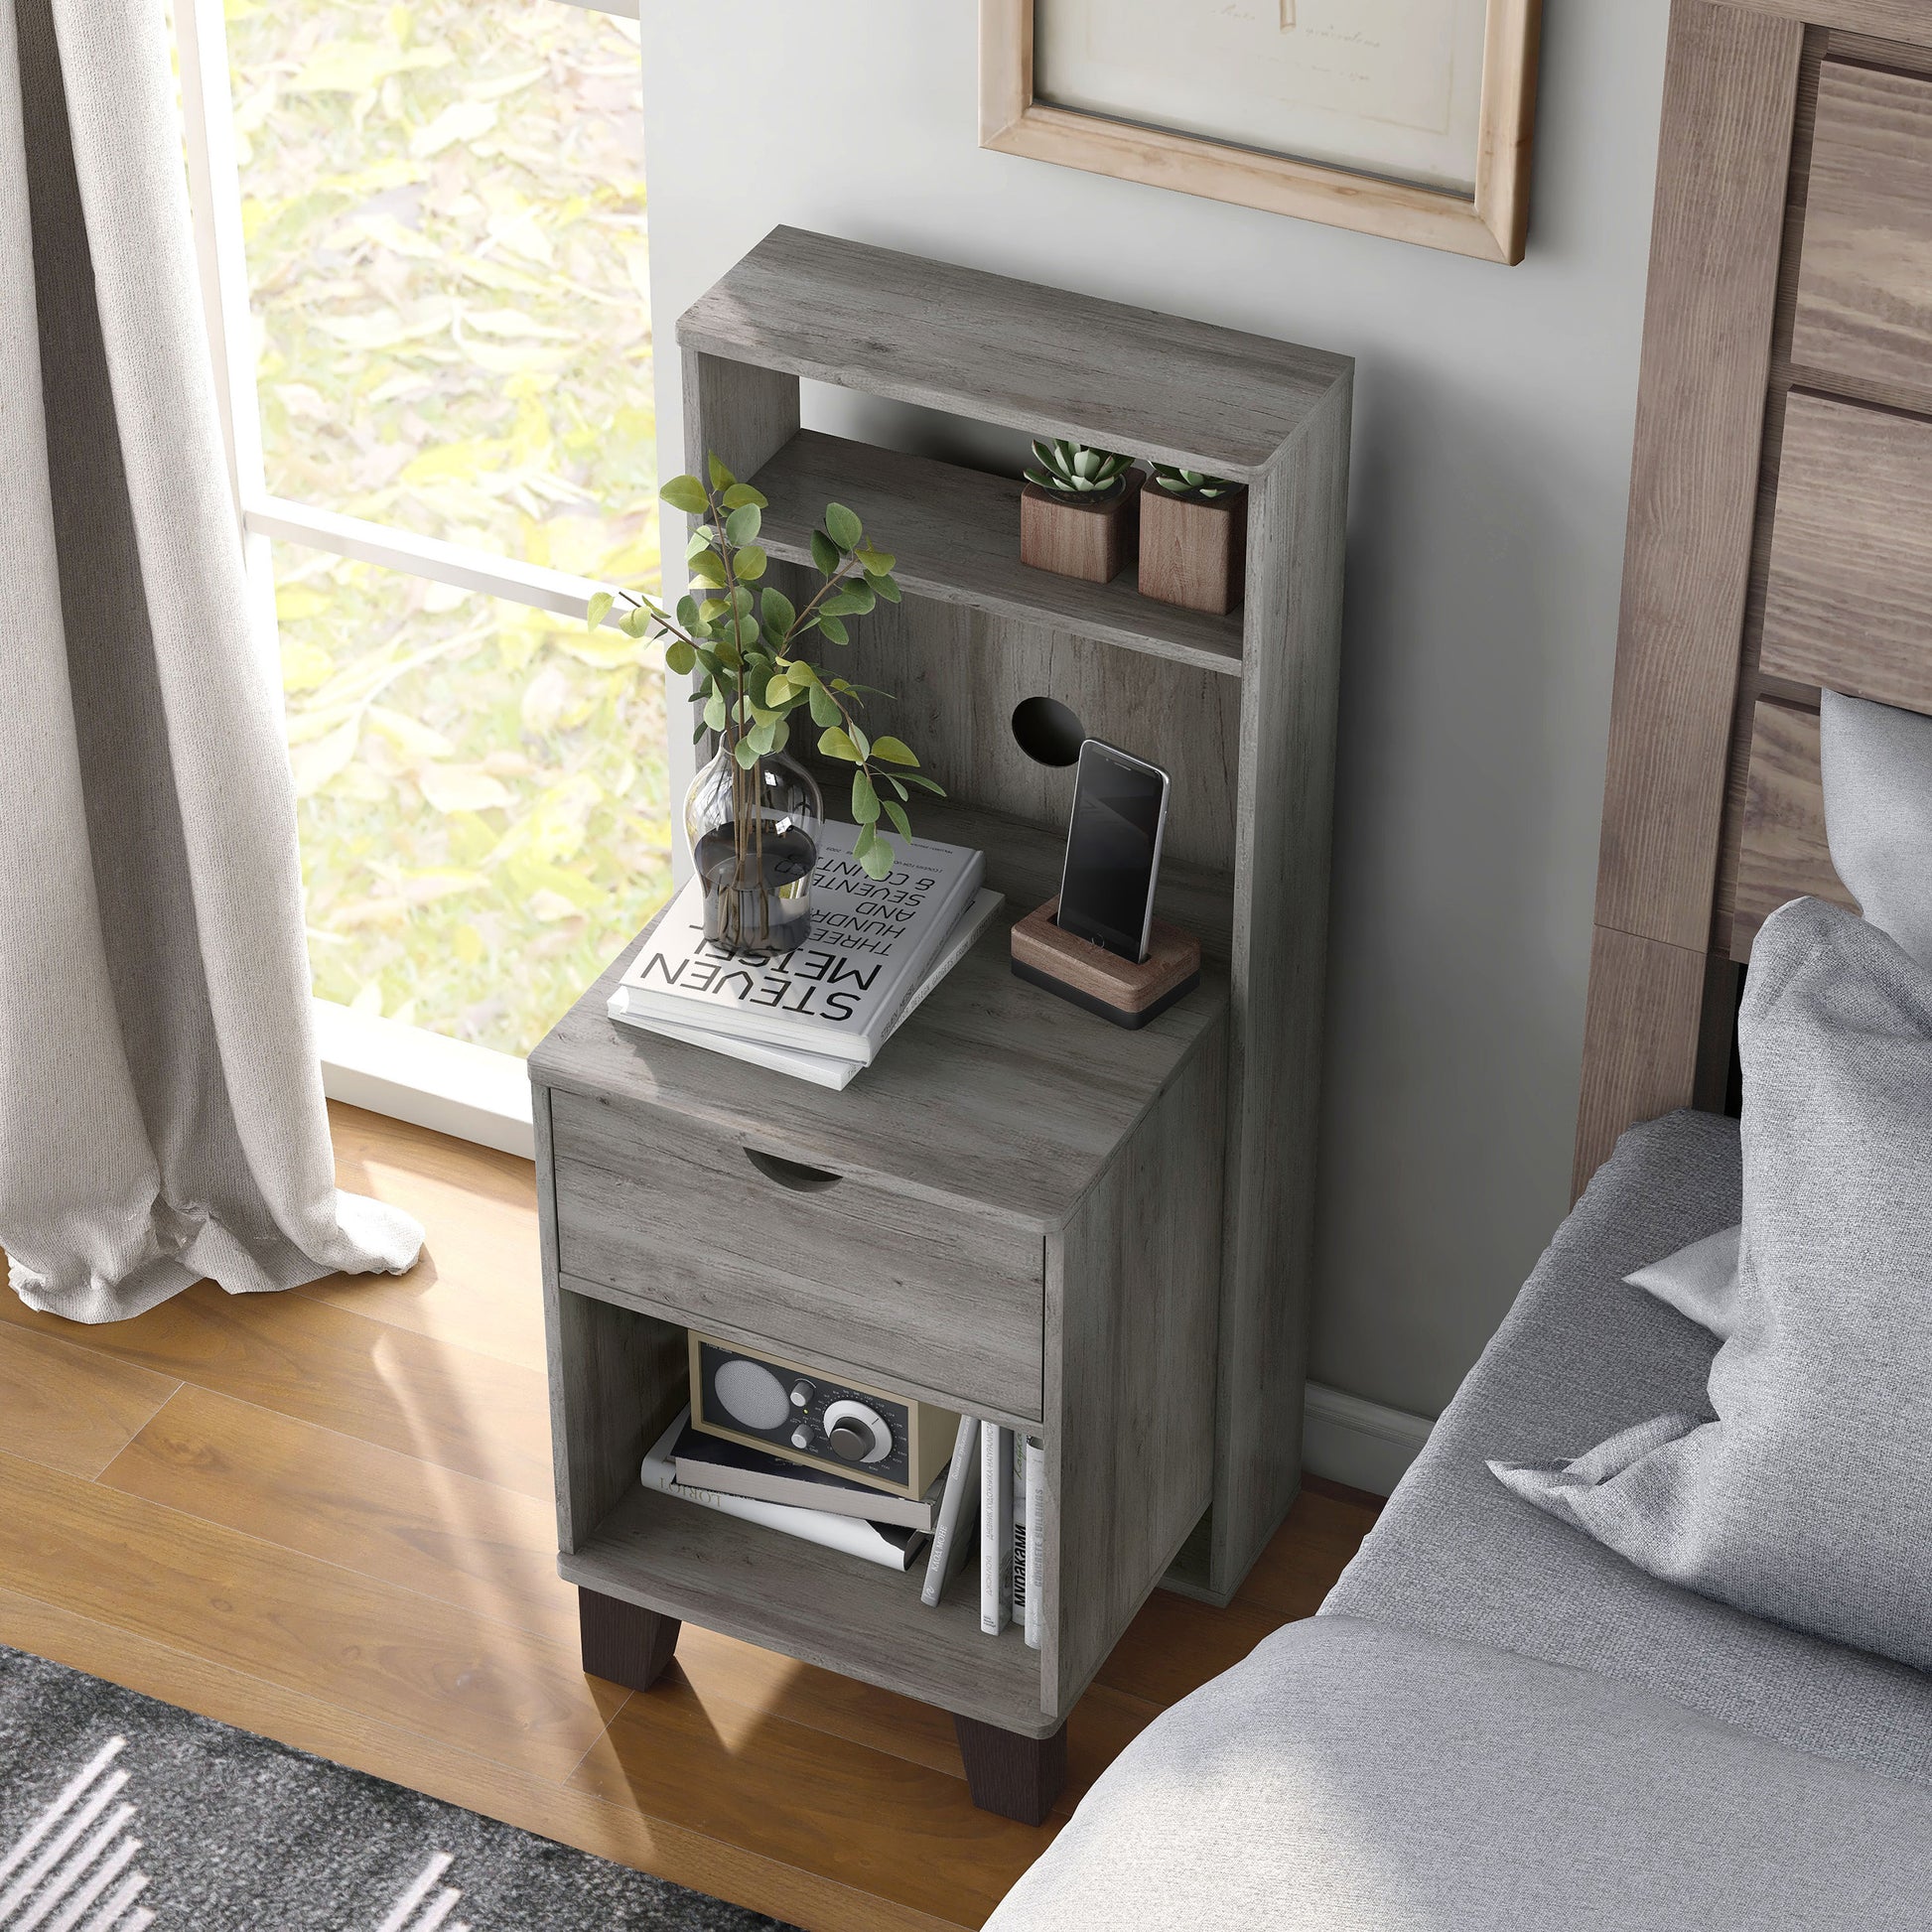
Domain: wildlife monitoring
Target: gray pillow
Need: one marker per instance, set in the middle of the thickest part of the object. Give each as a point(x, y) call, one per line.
point(1698, 1282)
point(1877, 768)
point(1808, 1498)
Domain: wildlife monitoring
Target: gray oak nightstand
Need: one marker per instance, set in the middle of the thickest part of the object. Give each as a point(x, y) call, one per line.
point(1095, 1236)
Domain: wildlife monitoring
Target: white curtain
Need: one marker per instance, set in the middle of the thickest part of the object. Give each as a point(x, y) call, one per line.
point(161, 1105)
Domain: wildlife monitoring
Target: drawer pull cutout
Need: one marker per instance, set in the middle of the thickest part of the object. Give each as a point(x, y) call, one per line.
point(794, 1175)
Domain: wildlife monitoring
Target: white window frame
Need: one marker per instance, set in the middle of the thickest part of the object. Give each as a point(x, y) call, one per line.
point(409, 1073)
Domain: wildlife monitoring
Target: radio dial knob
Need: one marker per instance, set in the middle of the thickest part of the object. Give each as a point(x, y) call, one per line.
point(802, 1436)
point(855, 1433)
point(801, 1395)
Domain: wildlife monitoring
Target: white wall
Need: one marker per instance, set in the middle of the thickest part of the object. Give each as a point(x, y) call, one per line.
point(1491, 462)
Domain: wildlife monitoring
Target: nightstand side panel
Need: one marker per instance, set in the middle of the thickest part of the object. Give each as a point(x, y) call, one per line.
point(1133, 1296)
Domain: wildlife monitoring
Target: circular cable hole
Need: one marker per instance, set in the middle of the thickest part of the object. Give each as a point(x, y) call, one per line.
point(1047, 731)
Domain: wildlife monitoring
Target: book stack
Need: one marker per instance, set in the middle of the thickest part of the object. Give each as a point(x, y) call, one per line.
point(793, 1497)
point(820, 1010)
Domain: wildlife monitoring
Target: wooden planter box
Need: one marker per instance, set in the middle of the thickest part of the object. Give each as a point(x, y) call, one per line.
point(1193, 553)
point(1094, 541)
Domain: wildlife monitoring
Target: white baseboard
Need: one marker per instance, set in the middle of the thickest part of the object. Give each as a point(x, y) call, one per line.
point(1361, 1443)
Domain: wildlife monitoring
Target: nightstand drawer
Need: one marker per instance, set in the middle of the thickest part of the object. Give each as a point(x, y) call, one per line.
point(947, 1297)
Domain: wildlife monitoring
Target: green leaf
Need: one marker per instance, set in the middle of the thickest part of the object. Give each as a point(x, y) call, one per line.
point(885, 586)
point(714, 609)
point(865, 802)
point(877, 857)
point(778, 692)
point(709, 568)
point(744, 755)
point(721, 477)
point(825, 709)
point(866, 839)
point(860, 739)
point(834, 743)
point(751, 562)
point(924, 783)
point(854, 600)
point(742, 525)
point(897, 813)
point(874, 563)
point(594, 611)
point(892, 750)
point(781, 737)
point(825, 553)
point(687, 612)
point(686, 493)
point(834, 631)
point(698, 734)
point(739, 495)
point(679, 658)
point(714, 711)
point(634, 624)
point(842, 526)
point(775, 607)
point(762, 737)
point(896, 784)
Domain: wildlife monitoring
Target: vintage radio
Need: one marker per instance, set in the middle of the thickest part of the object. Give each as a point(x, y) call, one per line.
point(811, 1416)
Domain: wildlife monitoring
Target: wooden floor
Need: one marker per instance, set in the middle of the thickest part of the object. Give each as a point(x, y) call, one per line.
point(325, 1516)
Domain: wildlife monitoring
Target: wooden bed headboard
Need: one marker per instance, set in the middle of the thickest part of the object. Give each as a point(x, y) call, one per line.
point(1780, 534)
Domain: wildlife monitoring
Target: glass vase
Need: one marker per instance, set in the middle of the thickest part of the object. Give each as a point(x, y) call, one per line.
point(753, 832)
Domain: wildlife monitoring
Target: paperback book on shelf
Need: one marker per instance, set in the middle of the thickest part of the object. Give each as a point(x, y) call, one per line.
point(843, 991)
point(1032, 1469)
point(887, 1544)
point(996, 1528)
point(704, 1461)
point(953, 1535)
point(824, 1069)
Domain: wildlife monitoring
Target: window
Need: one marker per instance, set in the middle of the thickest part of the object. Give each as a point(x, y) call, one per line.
point(423, 239)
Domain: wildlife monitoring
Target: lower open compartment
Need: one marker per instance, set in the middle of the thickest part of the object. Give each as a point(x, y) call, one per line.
point(619, 1380)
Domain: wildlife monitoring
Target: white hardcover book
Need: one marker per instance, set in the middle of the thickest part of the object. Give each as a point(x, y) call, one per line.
point(843, 990)
point(996, 1528)
point(823, 1070)
point(889, 1547)
point(1035, 1513)
point(954, 1530)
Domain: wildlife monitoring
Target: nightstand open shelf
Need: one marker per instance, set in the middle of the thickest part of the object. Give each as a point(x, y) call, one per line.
point(1097, 1236)
point(956, 535)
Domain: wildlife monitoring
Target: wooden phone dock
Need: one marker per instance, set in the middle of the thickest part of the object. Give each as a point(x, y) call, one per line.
point(1127, 991)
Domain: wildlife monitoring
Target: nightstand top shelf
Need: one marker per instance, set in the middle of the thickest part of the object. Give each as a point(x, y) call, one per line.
point(1000, 350)
point(956, 535)
point(994, 1092)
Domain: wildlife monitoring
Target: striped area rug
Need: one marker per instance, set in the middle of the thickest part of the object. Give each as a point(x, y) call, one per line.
point(118, 1814)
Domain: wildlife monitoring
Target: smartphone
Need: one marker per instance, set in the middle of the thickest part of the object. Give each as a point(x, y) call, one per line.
point(1113, 850)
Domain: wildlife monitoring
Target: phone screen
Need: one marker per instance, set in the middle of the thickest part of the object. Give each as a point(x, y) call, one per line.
point(1113, 850)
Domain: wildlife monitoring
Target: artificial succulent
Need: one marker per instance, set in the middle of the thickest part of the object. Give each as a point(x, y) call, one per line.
point(1074, 470)
point(1192, 483)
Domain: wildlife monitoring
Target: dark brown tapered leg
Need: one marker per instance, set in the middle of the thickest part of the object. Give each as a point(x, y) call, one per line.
point(623, 1643)
point(1010, 1774)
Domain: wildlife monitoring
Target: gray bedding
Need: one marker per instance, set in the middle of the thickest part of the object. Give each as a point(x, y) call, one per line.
point(1360, 1777)
point(1581, 1356)
point(1494, 1721)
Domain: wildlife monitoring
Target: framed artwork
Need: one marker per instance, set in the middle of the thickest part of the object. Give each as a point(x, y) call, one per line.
point(1408, 118)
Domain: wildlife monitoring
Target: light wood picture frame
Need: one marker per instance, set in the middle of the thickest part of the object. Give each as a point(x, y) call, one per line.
point(1490, 223)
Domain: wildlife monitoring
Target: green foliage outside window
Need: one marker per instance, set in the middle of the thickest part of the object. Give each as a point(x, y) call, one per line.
point(444, 208)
